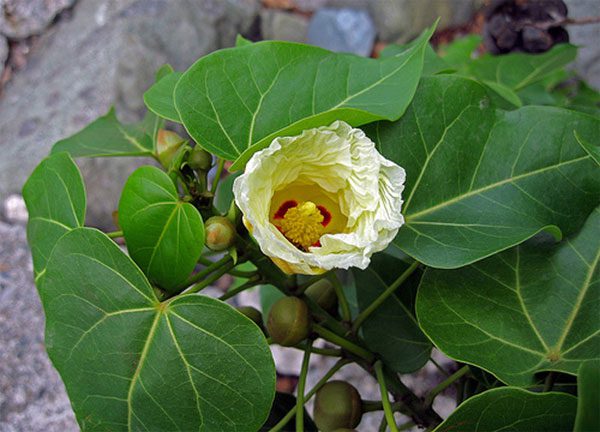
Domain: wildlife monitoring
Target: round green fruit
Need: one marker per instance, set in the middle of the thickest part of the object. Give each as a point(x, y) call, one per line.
point(289, 321)
point(337, 406)
point(199, 159)
point(252, 313)
point(323, 294)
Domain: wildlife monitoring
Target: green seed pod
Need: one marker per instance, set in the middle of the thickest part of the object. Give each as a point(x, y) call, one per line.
point(289, 321)
point(199, 159)
point(252, 313)
point(322, 293)
point(220, 233)
point(167, 144)
point(337, 405)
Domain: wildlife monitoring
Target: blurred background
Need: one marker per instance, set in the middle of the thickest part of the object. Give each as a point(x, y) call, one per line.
point(63, 63)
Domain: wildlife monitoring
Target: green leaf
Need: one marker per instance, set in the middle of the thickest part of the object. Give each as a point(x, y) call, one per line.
point(504, 92)
point(530, 309)
point(519, 70)
point(234, 102)
point(432, 63)
point(242, 41)
point(224, 195)
point(159, 97)
point(55, 198)
point(588, 388)
point(512, 409)
point(163, 71)
point(592, 150)
point(132, 363)
point(107, 137)
point(391, 330)
point(164, 235)
point(481, 180)
point(460, 51)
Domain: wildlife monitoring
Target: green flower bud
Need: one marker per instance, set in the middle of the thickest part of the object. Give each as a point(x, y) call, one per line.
point(252, 313)
point(289, 321)
point(220, 233)
point(337, 405)
point(322, 293)
point(199, 159)
point(167, 144)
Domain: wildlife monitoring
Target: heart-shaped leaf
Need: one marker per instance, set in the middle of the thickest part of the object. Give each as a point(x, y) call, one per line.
point(529, 309)
point(106, 136)
point(132, 363)
point(233, 102)
point(480, 180)
point(512, 409)
point(159, 97)
point(55, 198)
point(588, 397)
point(391, 330)
point(164, 235)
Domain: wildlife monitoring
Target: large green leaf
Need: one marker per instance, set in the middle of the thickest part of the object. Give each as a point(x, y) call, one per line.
point(130, 363)
point(164, 235)
point(391, 330)
point(512, 409)
point(235, 101)
point(106, 136)
point(529, 309)
point(588, 403)
point(480, 180)
point(519, 70)
point(55, 198)
point(159, 97)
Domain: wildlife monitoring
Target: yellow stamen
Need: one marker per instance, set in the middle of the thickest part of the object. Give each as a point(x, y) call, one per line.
point(302, 225)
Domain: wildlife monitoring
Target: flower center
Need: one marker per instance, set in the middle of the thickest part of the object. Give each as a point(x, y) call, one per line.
point(303, 224)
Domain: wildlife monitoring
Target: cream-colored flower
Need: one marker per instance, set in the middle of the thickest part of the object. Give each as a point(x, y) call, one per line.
point(321, 200)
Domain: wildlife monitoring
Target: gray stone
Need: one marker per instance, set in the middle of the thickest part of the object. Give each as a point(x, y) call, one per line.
point(106, 54)
point(32, 396)
point(342, 30)
point(3, 53)
point(22, 18)
point(586, 37)
point(399, 21)
point(285, 26)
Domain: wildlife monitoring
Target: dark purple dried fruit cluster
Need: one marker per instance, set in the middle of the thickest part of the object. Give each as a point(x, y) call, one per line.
point(532, 26)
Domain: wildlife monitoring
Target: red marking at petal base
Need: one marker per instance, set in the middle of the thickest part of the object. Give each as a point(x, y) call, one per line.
point(326, 215)
point(316, 244)
point(283, 208)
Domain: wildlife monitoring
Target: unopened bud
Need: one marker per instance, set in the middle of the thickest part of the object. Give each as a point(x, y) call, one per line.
point(167, 144)
point(199, 159)
point(220, 233)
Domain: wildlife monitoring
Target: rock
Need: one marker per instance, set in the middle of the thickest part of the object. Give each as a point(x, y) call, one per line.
point(342, 30)
point(106, 54)
point(3, 53)
point(32, 396)
point(399, 21)
point(586, 37)
point(23, 18)
point(285, 26)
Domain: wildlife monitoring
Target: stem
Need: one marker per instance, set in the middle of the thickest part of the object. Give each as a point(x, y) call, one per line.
point(445, 384)
point(406, 426)
point(387, 408)
point(342, 300)
point(115, 234)
point(383, 296)
point(215, 183)
point(208, 270)
point(285, 420)
point(210, 279)
point(237, 273)
point(344, 343)
point(437, 365)
point(549, 382)
point(243, 287)
point(330, 352)
point(300, 389)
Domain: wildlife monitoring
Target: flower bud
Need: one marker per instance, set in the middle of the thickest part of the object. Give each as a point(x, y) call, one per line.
point(220, 233)
point(337, 405)
point(252, 313)
point(199, 159)
point(289, 321)
point(322, 293)
point(167, 144)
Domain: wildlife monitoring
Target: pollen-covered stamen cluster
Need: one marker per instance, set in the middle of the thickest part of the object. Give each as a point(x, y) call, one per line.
point(302, 224)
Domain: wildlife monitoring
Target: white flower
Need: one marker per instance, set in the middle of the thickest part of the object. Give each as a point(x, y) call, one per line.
point(321, 200)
